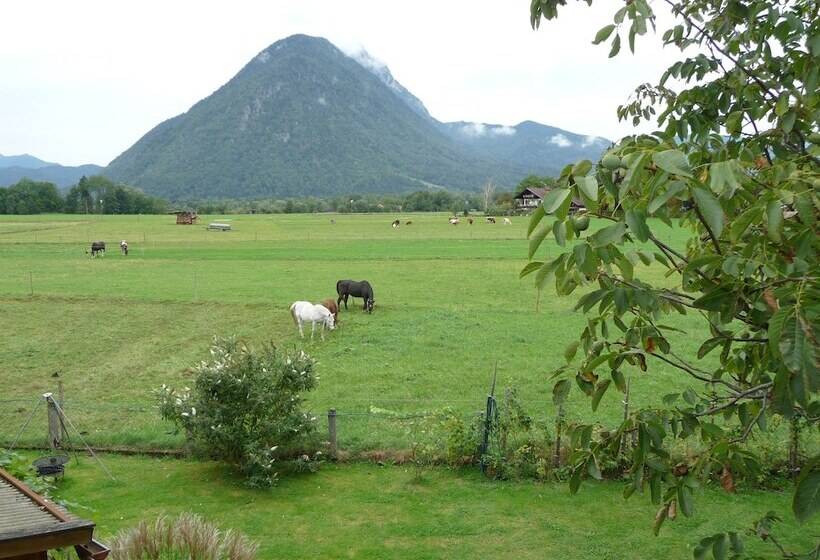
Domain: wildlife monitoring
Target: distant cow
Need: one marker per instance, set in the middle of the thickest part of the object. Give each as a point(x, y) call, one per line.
point(408, 222)
point(453, 221)
point(97, 247)
point(490, 220)
point(470, 221)
point(396, 223)
point(507, 221)
point(363, 289)
point(124, 247)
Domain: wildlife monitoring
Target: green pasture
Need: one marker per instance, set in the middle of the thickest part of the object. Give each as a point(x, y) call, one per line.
point(449, 304)
point(367, 511)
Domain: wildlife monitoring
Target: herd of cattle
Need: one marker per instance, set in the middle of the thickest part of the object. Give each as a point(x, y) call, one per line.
point(98, 248)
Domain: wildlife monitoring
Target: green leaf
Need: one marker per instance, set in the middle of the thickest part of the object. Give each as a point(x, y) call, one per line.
point(608, 235)
point(559, 230)
point(592, 468)
point(603, 34)
point(560, 391)
point(673, 161)
point(547, 270)
point(734, 123)
point(581, 168)
point(616, 46)
point(787, 122)
point(722, 175)
point(720, 547)
point(782, 104)
point(554, 199)
point(685, 500)
point(537, 238)
point(619, 379)
point(715, 300)
point(674, 188)
point(636, 220)
point(530, 268)
point(588, 186)
point(806, 501)
point(570, 351)
point(710, 209)
point(774, 220)
point(599, 393)
point(535, 218)
point(799, 357)
point(742, 223)
point(708, 346)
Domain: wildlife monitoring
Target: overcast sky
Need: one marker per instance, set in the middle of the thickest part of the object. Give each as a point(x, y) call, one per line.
point(80, 82)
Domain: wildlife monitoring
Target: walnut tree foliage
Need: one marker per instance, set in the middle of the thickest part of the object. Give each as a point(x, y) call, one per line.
point(734, 163)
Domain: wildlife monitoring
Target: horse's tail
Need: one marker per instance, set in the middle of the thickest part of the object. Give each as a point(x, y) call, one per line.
point(338, 287)
point(293, 314)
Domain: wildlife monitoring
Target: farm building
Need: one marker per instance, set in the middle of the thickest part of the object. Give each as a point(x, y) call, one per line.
point(529, 198)
point(30, 526)
point(185, 217)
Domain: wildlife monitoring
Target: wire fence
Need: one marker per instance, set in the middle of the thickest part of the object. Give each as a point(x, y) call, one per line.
point(365, 428)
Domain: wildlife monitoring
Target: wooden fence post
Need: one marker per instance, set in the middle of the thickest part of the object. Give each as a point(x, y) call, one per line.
point(55, 426)
point(331, 431)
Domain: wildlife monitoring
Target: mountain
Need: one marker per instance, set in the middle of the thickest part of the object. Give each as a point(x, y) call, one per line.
point(540, 148)
point(23, 160)
point(302, 118)
point(62, 176)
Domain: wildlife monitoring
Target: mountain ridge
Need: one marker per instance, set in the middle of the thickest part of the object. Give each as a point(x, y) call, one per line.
point(303, 118)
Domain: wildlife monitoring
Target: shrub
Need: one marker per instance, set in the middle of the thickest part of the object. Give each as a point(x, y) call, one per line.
point(245, 408)
point(188, 537)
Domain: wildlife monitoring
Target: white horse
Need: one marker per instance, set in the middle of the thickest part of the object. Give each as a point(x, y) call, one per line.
point(304, 311)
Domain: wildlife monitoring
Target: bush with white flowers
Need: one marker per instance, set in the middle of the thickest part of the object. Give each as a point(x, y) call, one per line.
point(245, 408)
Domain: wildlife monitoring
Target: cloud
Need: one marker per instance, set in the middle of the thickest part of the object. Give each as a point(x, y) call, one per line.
point(474, 129)
point(480, 129)
point(502, 131)
point(561, 141)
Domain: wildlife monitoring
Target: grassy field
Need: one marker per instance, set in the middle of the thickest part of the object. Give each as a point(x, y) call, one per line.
point(366, 511)
point(448, 305)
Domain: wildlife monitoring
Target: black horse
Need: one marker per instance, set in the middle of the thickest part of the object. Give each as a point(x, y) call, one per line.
point(361, 289)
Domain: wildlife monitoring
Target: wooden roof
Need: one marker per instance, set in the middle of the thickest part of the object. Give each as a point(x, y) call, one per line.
point(537, 191)
point(30, 524)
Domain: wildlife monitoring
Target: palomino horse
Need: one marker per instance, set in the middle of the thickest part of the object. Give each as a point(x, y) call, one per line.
point(304, 311)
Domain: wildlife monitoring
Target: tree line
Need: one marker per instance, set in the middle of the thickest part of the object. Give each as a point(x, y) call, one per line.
point(100, 195)
point(91, 195)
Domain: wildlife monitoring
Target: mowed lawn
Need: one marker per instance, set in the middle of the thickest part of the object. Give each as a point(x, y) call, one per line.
point(367, 511)
point(449, 304)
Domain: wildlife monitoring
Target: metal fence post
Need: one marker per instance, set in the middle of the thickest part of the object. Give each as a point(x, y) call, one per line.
point(331, 431)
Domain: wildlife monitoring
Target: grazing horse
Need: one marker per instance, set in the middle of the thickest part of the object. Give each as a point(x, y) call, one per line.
point(361, 289)
point(333, 307)
point(304, 311)
point(507, 221)
point(124, 247)
point(490, 220)
point(396, 223)
point(97, 247)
